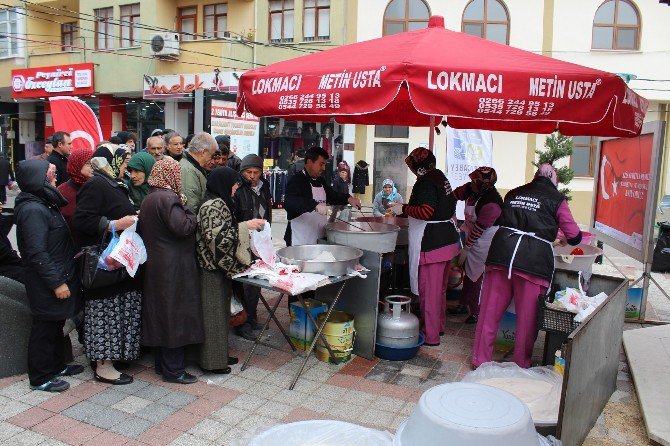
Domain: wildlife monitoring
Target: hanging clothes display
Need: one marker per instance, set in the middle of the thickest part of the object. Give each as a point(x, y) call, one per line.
point(285, 150)
point(277, 180)
point(361, 178)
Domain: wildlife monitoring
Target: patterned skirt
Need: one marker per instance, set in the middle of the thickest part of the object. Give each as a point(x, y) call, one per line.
point(112, 327)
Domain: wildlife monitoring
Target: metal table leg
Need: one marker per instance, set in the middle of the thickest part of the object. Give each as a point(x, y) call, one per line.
point(274, 318)
point(265, 327)
point(318, 336)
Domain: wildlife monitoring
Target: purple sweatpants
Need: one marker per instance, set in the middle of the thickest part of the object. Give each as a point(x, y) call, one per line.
point(470, 294)
point(433, 280)
point(497, 293)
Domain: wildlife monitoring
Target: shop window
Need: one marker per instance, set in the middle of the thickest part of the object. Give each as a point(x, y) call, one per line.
point(69, 37)
point(616, 26)
point(487, 19)
point(130, 19)
point(405, 15)
point(216, 20)
point(281, 20)
point(186, 23)
point(10, 24)
point(104, 37)
point(316, 20)
point(391, 131)
point(583, 155)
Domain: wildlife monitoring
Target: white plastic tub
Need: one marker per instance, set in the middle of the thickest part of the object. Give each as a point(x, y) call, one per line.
point(564, 260)
point(322, 433)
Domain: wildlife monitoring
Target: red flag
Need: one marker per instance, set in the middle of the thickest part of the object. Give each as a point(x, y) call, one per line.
point(74, 116)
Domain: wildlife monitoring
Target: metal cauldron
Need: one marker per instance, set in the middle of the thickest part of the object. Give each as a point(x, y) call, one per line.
point(395, 327)
point(375, 237)
point(401, 222)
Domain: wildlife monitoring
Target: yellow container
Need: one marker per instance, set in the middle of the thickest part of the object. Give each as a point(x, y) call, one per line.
point(339, 333)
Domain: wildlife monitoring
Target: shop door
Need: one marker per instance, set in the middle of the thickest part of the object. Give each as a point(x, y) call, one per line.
point(389, 162)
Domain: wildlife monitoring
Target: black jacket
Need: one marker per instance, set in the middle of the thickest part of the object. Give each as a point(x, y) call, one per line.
point(340, 186)
point(100, 200)
point(60, 161)
point(361, 178)
point(247, 202)
point(5, 172)
point(295, 167)
point(234, 161)
point(46, 246)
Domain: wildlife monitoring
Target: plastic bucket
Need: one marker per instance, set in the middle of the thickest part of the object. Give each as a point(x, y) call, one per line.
point(339, 333)
point(321, 432)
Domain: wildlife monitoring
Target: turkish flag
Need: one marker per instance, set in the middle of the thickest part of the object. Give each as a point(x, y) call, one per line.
point(74, 116)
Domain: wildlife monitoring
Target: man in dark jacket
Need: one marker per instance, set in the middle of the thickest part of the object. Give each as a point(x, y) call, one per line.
point(6, 175)
point(53, 291)
point(62, 145)
point(233, 161)
point(297, 165)
point(252, 200)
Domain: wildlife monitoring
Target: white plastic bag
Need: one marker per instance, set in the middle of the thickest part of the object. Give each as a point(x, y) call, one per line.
point(130, 250)
point(538, 387)
point(235, 306)
point(261, 244)
point(549, 441)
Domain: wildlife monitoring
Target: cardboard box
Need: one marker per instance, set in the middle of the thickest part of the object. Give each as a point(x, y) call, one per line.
point(633, 303)
point(302, 330)
point(506, 330)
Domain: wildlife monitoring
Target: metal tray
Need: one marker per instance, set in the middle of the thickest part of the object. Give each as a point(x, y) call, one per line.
point(347, 257)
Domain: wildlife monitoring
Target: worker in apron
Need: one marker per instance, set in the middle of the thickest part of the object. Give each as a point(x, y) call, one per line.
point(483, 205)
point(433, 239)
point(520, 263)
point(307, 199)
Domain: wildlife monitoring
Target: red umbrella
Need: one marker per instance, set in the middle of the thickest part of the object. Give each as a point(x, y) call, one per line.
point(416, 78)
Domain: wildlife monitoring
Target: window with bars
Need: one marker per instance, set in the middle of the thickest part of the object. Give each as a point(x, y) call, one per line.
point(104, 35)
point(583, 155)
point(9, 26)
point(316, 20)
point(186, 22)
point(391, 131)
point(216, 20)
point(487, 19)
point(130, 19)
point(281, 20)
point(616, 26)
point(68, 32)
point(405, 15)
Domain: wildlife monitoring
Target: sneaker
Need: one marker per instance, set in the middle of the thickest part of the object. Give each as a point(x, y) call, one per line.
point(245, 332)
point(72, 369)
point(184, 378)
point(54, 385)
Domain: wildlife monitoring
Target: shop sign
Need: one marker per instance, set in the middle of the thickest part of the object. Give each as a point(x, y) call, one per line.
point(58, 80)
point(243, 130)
point(182, 85)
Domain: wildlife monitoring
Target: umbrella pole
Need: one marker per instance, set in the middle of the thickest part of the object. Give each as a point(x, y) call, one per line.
point(431, 134)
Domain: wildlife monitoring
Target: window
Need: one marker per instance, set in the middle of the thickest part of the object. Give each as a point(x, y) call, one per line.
point(316, 22)
point(391, 131)
point(583, 154)
point(281, 20)
point(68, 32)
point(9, 26)
point(130, 19)
point(616, 26)
point(405, 15)
point(103, 29)
point(216, 20)
point(186, 22)
point(487, 19)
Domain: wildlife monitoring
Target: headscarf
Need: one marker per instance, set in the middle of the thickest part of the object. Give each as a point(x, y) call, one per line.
point(484, 177)
point(78, 158)
point(547, 170)
point(166, 173)
point(33, 176)
point(420, 161)
point(144, 162)
point(102, 160)
point(120, 156)
point(220, 185)
point(394, 191)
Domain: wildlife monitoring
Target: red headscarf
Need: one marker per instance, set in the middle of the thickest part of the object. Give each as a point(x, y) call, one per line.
point(78, 157)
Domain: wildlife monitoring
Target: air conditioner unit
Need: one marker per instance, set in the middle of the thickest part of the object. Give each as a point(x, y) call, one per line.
point(165, 45)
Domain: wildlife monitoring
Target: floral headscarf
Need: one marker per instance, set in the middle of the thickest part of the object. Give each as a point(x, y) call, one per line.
point(119, 158)
point(78, 158)
point(394, 191)
point(421, 161)
point(547, 170)
point(166, 173)
point(484, 177)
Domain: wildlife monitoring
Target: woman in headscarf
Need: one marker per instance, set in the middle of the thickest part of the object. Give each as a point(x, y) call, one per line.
point(53, 286)
point(433, 239)
point(112, 315)
point(223, 251)
point(483, 205)
point(79, 169)
point(172, 310)
point(387, 196)
point(139, 166)
point(120, 162)
point(520, 262)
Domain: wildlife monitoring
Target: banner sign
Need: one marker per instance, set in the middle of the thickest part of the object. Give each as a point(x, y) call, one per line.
point(623, 185)
point(74, 116)
point(466, 151)
point(182, 85)
point(75, 79)
point(243, 130)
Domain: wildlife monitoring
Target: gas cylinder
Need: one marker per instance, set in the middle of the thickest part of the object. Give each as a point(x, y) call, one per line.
point(395, 327)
